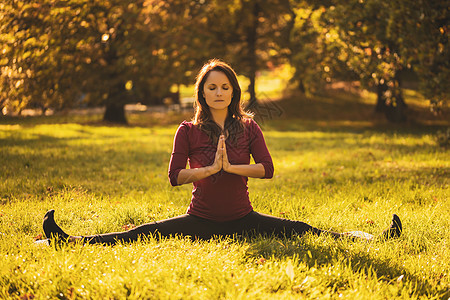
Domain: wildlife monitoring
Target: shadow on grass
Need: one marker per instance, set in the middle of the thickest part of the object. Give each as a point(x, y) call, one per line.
point(319, 254)
point(338, 110)
point(46, 163)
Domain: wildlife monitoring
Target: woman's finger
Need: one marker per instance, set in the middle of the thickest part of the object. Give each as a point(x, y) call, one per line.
point(224, 148)
point(219, 143)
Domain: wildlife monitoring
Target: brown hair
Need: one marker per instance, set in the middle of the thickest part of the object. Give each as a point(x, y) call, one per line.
point(234, 124)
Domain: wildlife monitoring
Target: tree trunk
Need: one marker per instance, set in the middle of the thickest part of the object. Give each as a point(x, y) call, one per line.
point(251, 89)
point(390, 101)
point(381, 98)
point(301, 86)
point(396, 110)
point(115, 113)
point(251, 44)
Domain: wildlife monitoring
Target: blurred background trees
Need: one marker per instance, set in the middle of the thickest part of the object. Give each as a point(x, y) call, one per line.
point(65, 54)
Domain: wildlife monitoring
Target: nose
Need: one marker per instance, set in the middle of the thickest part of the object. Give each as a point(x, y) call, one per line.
point(219, 92)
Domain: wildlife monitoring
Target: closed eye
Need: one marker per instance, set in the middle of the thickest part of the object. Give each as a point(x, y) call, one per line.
point(213, 87)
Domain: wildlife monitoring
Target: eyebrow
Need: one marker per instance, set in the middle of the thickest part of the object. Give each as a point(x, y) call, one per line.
point(222, 83)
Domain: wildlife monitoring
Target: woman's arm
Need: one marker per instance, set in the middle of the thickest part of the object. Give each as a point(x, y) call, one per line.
point(191, 175)
point(254, 170)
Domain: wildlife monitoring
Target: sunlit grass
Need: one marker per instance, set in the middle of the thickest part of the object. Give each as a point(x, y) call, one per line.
point(342, 175)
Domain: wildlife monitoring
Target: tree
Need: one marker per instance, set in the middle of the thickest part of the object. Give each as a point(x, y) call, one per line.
point(360, 31)
point(261, 37)
point(29, 59)
point(60, 53)
point(380, 40)
point(422, 28)
point(250, 34)
point(313, 48)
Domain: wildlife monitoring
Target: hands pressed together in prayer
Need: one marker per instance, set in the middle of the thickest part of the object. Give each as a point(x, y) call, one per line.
point(221, 162)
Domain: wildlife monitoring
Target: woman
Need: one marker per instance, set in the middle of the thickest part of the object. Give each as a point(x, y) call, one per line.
point(217, 144)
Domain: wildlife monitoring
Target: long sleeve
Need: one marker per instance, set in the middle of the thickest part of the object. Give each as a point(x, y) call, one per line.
point(259, 151)
point(180, 153)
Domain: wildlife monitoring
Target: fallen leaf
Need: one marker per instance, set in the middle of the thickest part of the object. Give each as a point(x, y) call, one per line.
point(290, 271)
point(27, 296)
point(128, 226)
point(369, 221)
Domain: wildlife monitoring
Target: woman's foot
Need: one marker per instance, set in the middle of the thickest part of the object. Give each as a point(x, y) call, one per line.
point(394, 230)
point(359, 236)
point(51, 229)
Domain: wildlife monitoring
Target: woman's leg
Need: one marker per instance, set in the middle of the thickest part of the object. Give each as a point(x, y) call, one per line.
point(196, 227)
point(185, 225)
point(258, 223)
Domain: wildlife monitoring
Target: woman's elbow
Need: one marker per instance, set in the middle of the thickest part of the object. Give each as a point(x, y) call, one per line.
point(268, 168)
point(173, 178)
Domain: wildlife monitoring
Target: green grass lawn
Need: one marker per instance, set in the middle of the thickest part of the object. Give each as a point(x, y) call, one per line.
point(337, 167)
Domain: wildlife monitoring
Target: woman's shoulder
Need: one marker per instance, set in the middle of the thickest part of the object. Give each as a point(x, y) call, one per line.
point(250, 124)
point(248, 121)
point(186, 125)
point(189, 127)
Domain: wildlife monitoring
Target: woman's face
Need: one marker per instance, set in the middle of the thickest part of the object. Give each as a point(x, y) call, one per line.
point(217, 91)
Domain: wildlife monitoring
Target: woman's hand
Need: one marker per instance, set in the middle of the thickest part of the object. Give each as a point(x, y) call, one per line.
point(225, 162)
point(192, 175)
point(254, 170)
point(218, 160)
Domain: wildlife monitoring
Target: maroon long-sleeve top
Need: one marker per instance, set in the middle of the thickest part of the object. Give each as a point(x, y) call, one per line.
point(222, 196)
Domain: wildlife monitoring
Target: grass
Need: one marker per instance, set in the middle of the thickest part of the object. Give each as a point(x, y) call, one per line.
point(338, 167)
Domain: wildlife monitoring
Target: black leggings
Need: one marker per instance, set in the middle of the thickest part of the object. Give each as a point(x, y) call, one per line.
point(199, 228)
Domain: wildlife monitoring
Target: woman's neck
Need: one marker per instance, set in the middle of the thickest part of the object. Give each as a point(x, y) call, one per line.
point(219, 116)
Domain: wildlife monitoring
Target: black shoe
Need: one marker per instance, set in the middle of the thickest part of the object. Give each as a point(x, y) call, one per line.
point(51, 229)
point(394, 230)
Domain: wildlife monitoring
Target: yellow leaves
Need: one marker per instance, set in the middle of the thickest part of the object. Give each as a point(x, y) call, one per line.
point(105, 37)
point(26, 55)
point(30, 42)
point(44, 37)
point(18, 83)
point(159, 52)
point(129, 85)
